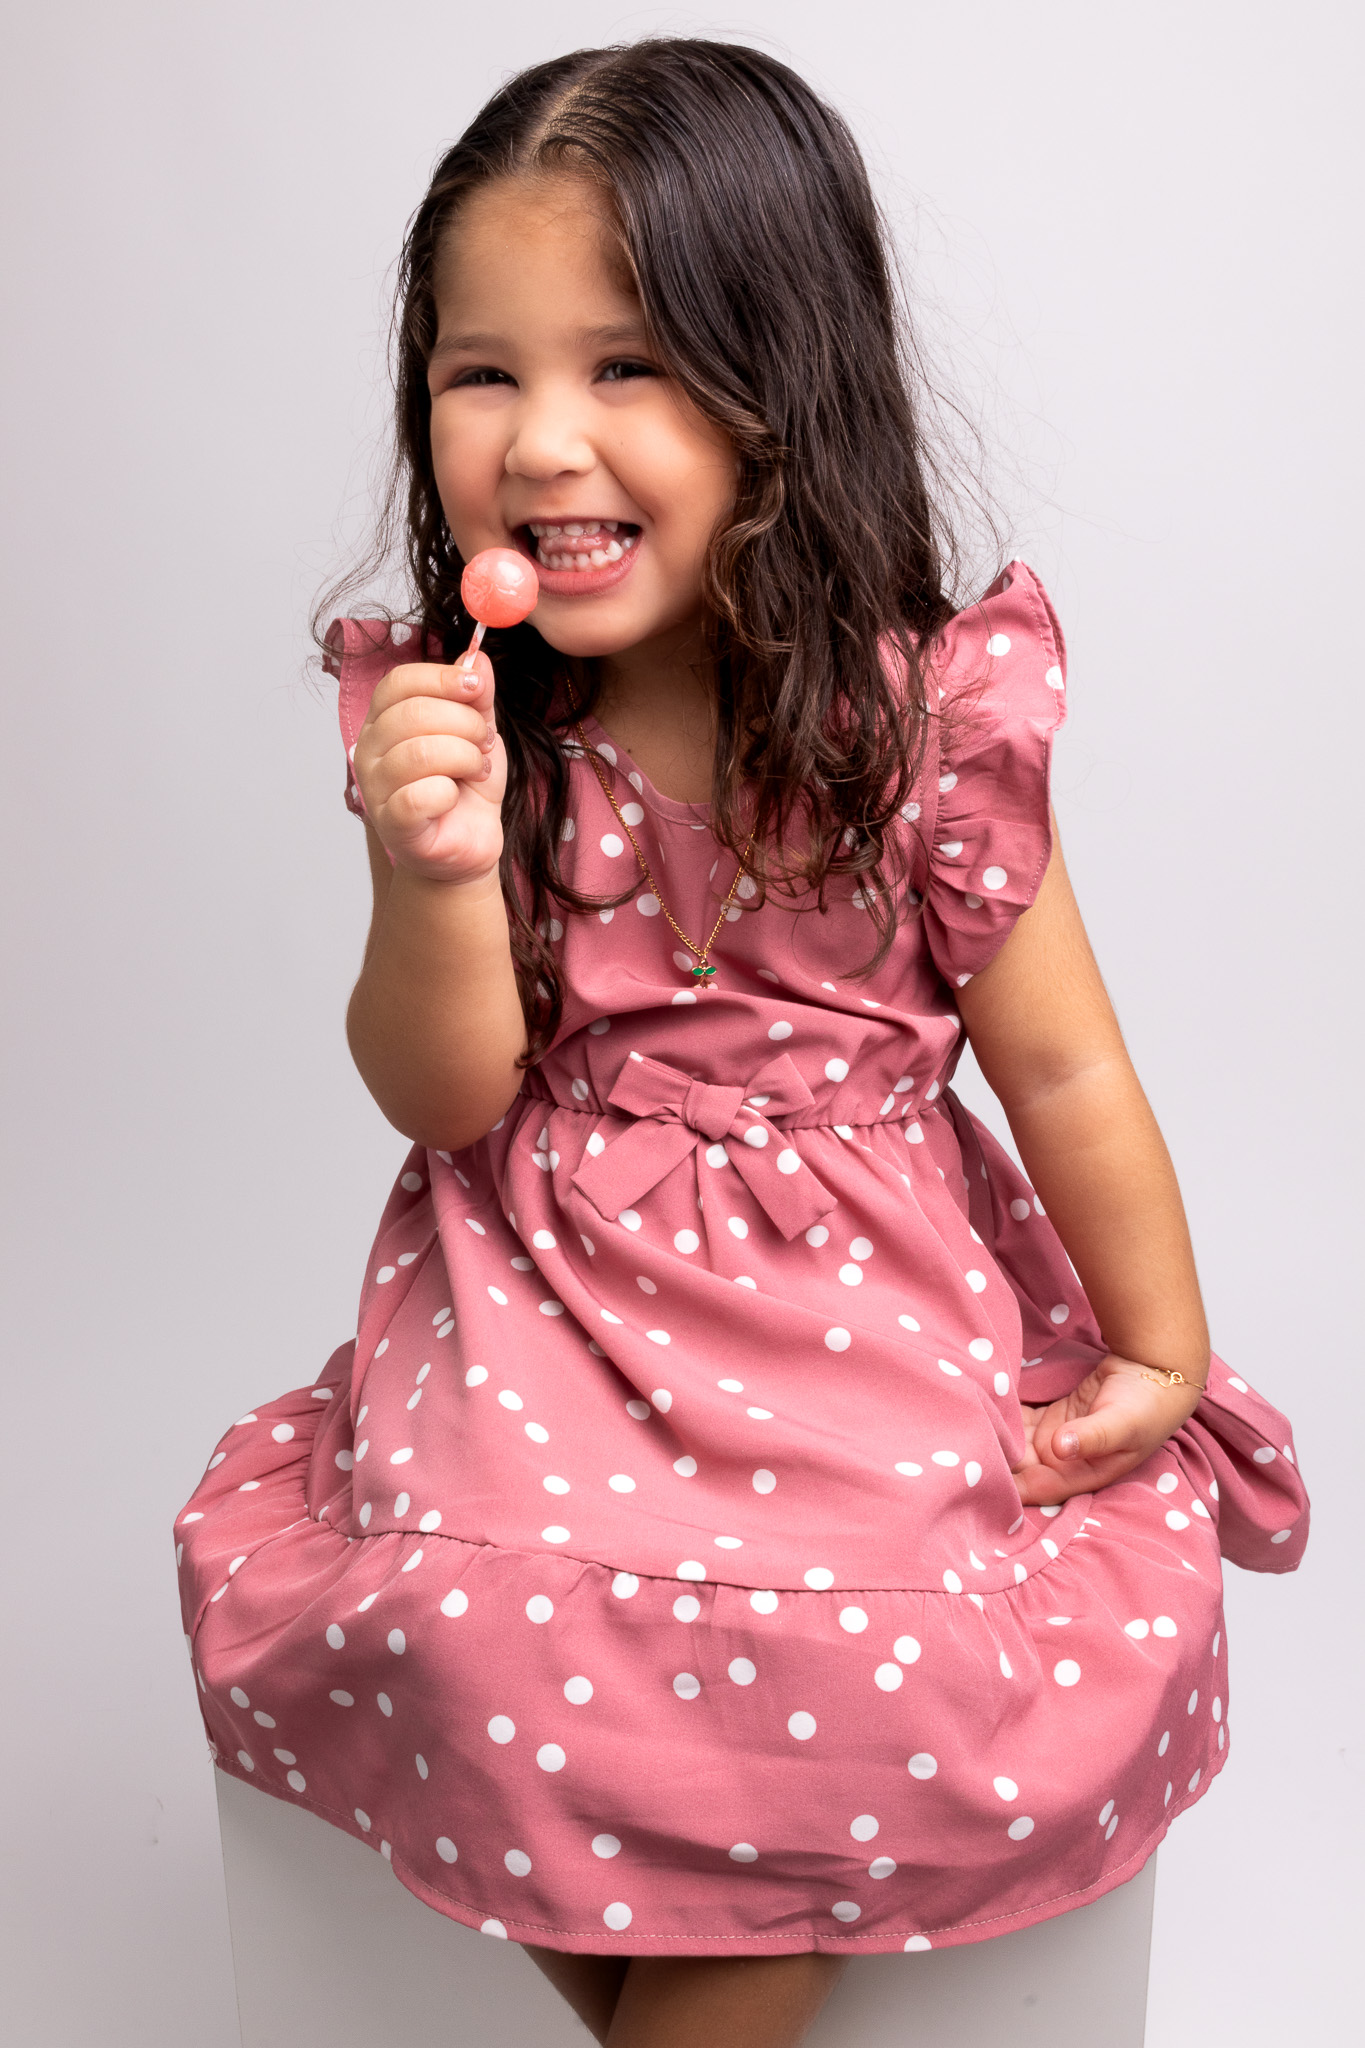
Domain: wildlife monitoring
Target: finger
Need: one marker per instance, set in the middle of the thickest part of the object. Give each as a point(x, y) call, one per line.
point(419, 803)
point(415, 760)
point(449, 680)
point(412, 716)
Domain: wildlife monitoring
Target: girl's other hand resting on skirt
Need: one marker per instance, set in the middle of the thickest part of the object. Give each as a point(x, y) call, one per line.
point(1114, 1419)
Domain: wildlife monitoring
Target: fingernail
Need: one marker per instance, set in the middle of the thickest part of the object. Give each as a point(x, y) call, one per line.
point(1068, 1445)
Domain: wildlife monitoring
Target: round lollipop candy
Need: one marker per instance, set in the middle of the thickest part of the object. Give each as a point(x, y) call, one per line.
point(499, 587)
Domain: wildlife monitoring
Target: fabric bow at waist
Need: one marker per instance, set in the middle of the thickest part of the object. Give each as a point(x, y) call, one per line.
point(676, 1115)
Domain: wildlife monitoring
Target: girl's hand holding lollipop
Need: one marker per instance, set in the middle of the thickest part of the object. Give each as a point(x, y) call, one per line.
point(429, 765)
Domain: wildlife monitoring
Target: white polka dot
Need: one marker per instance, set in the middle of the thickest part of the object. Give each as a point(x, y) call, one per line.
point(994, 878)
point(686, 1607)
point(648, 904)
point(907, 1323)
point(1060, 1312)
point(731, 1386)
point(971, 1472)
point(1019, 1210)
point(763, 1603)
point(1175, 1520)
point(1006, 1788)
point(556, 1533)
point(916, 1943)
point(662, 1399)
point(686, 1685)
point(611, 845)
point(618, 1916)
point(802, 1726)
point(554, 1484)
point(738, 1227)
point(764, 1482)
point(1019, 1830)
point(1282, 1535)
point(1136, 1629)
point(837, 1339)
point(658, 1336)
point(397, 1641)
point(981, 1348)
point(625, 1585)
point(446, 1849)
point(578, 1691)
point(638, 1410)
point(336, 1637)
point(742, 1671)
point(537, 1433)
point(976, 1281)
point(779, 1030)
point(686, 1241)
point(760, 1414)
point(888, 1677)
point(690, 1569)
point(1164, 1626)
point(836, 1070)
point(954, 1372)
point(550, 1757)
point(817, 1235)
point(455, 1603)
point(1067, 1672)
point(853, 1619)
point(952, 1582)
point(501, 1729)
point(999, 643)
point(1001, 1383)
point(881, 1866)
point(905, 1649)
point(605, 1846)
point(788, 1160)
point(1053, 678)
point(923, 1765)
point(1240, 1385)
point(819, 1578)
point(946, 1458)
point(539, 1607)
point(744, 1852)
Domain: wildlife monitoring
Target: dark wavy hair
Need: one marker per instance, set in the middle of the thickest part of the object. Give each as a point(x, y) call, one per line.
point(746, 221)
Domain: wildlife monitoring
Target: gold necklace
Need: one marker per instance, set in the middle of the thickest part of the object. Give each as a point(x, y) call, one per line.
point(704, 974)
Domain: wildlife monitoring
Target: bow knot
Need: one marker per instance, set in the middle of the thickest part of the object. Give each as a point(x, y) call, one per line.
point(675, 1114)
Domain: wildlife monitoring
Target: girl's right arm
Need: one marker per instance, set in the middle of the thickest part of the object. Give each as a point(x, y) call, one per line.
point(435, 1023)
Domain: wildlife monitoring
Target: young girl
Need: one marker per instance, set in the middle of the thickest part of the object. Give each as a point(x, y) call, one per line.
point(752, 1527)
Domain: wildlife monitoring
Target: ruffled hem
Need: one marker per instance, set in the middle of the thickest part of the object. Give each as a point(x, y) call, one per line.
point(902, 1769)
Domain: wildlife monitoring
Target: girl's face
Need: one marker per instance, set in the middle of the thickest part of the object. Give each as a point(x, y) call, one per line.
point(555, 430)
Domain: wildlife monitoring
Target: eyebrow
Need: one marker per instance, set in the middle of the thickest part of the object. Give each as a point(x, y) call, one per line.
point(583, 337)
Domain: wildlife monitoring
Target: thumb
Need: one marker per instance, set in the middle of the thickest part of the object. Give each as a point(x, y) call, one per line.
point(471, 684)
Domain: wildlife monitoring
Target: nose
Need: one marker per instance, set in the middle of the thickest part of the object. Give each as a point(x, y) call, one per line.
point(549, 438)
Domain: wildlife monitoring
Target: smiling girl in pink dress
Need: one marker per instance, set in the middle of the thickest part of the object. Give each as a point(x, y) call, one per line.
point(751, 1527)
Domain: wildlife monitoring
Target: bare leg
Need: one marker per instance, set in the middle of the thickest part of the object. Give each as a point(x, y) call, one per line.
point(721, 2002)
point(591, 1984)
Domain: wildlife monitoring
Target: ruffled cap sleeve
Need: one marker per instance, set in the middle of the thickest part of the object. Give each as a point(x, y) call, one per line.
point(1001, 669)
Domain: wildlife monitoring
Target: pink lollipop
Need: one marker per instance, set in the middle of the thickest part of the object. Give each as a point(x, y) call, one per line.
point(499, 587)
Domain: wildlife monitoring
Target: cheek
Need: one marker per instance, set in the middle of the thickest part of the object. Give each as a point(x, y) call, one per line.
point(467, 456)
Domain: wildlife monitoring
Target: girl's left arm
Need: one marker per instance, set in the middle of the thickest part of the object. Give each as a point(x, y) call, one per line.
point(1048, 1042)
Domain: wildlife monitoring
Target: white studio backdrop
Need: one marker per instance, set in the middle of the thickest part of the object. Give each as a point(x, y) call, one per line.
point(1133, 233)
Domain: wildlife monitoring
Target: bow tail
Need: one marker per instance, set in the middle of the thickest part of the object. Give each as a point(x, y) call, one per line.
point(793, 1201)
point(632, 1164)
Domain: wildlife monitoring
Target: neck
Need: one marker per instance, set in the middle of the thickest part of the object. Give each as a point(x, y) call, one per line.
point(657, 700)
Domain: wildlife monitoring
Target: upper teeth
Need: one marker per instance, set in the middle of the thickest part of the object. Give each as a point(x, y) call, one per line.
point(577, 528)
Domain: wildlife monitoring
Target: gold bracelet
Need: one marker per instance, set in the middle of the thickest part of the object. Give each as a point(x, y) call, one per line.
point(1163, 1375)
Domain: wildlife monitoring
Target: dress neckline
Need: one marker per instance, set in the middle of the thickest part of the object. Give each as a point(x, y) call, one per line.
point(697, 816)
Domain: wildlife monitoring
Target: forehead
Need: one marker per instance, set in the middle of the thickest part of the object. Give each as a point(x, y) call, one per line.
point(523, 240)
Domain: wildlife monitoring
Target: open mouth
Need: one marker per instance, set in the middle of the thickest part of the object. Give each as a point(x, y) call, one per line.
point(578, 544)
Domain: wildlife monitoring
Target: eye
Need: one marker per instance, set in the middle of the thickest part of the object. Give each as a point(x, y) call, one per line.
point(481, 376)
point(627, 366)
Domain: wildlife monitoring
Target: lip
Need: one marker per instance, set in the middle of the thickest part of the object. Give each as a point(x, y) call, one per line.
point(579, 582)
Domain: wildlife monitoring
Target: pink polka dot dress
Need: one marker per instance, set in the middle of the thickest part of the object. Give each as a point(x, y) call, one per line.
point(647, 1576)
